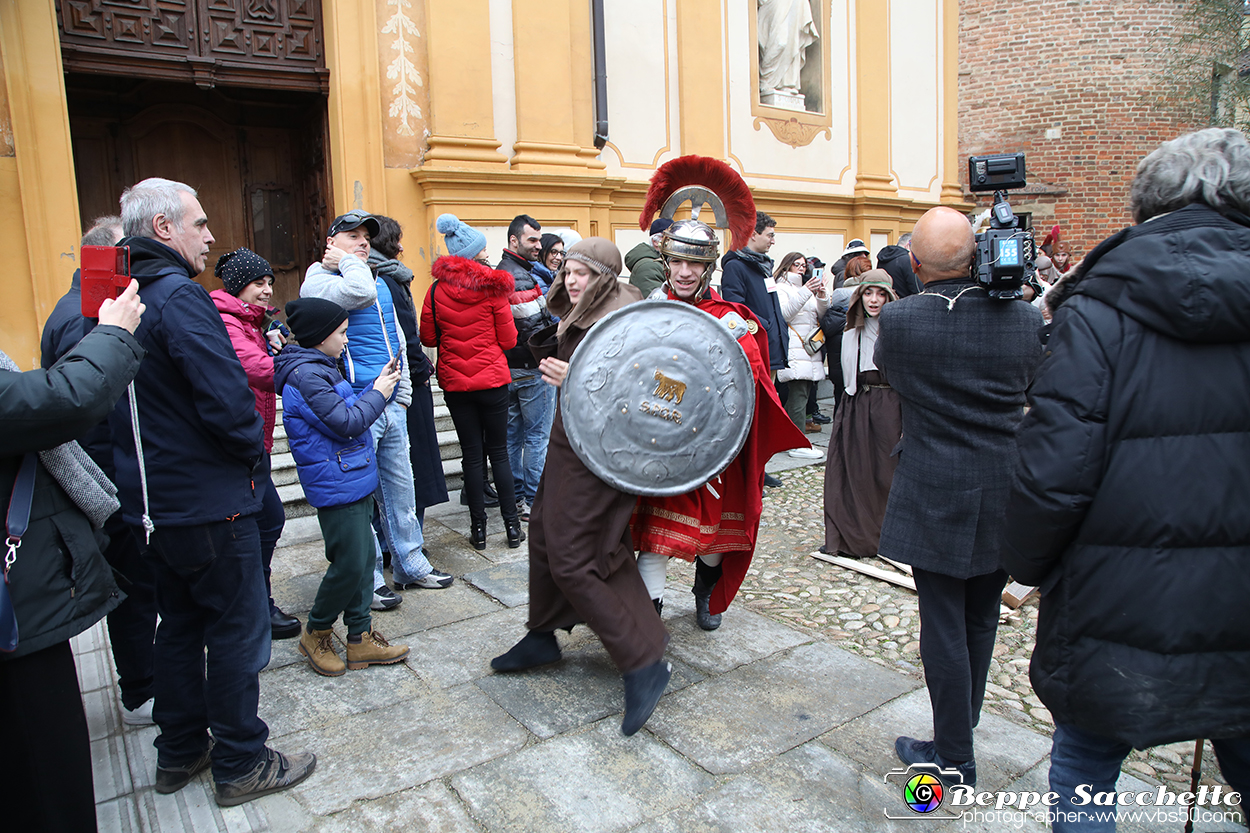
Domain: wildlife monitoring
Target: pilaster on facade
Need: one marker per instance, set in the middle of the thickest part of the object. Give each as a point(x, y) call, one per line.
point(44, 162)
point(461, 118)
point(872, 94)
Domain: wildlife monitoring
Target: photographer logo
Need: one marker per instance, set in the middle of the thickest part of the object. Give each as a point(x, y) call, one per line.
point(923, 793)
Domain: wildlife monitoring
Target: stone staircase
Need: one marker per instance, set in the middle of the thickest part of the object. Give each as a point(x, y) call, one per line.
point(287, 481)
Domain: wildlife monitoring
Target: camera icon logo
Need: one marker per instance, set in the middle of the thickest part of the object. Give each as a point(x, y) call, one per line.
point(923, 789)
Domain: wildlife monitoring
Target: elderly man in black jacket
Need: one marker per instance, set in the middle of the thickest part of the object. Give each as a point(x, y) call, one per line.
point(960, 362)
point(1129, 505)
point(190, 492)
point(59, 583)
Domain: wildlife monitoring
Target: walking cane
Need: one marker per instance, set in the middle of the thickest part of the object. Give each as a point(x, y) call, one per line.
point(1194, 775)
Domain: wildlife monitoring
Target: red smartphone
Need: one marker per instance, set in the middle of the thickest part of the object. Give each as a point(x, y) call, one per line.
point(105, 273)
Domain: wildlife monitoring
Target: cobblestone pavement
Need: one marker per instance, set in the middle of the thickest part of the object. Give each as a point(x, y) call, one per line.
point(880, 621)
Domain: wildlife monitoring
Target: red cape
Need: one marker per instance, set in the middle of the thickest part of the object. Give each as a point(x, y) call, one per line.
point(699, 522)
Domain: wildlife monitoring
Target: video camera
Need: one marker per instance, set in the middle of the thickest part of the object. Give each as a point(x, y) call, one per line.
point(1005, 252)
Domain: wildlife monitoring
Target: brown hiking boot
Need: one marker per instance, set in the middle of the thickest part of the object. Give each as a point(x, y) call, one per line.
point(318, 647)
point(373, 649)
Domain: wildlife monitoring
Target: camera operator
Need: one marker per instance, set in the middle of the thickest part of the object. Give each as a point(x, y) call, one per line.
point(960, 361)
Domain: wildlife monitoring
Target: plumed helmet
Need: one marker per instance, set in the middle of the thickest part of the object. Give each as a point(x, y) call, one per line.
point(701, 181)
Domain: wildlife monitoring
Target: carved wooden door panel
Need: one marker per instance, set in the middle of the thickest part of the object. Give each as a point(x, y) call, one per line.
point(272, 195)
point(190, 145)
point(262, 43)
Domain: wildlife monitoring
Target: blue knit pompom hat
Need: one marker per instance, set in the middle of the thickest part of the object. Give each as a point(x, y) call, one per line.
point(462, 241)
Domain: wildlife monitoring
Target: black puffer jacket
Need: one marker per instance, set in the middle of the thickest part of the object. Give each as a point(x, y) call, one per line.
point(60, 584)
point(897, 261)
point(1129, 503)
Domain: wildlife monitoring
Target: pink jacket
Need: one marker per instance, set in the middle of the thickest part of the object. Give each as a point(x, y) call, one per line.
point(243, 323)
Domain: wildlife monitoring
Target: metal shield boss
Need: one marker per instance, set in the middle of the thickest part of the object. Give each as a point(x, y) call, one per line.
point(658, 398)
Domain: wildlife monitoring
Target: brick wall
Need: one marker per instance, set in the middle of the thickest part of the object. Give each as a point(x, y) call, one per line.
point(1068, 82)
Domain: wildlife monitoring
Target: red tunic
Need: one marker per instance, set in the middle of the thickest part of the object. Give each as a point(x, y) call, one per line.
point(728, 521)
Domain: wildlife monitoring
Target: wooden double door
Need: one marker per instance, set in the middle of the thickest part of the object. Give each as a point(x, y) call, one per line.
point(256, 157)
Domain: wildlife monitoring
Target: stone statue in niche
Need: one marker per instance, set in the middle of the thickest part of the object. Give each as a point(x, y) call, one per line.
point(786, 29)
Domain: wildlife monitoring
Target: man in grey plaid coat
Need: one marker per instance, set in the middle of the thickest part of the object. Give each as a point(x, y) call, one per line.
point(960, 362)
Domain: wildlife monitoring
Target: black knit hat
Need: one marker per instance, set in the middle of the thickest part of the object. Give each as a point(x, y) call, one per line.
point(312, 320)
point(239, 268)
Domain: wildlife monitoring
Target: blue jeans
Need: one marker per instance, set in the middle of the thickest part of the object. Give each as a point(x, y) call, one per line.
point(396, 497)
point(1081, 757)
point(531, 407)
point(210, 594)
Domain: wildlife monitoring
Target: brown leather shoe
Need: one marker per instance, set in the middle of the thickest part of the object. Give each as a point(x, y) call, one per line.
point(373, 649)
point(318, 647)
point(811, 428)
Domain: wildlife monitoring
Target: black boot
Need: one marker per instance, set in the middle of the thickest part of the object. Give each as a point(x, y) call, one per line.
point(535, 648)
point(477, 535)
point(705, 578)
point(642, 691)
point(659, 607)
point(282, 625)
point(515, 534)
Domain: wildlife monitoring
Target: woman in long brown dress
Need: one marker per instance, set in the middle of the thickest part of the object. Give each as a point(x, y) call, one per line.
point(581, 555)
point(866, 428)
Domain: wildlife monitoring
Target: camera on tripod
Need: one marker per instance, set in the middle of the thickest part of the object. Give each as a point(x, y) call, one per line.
point(1005, 252)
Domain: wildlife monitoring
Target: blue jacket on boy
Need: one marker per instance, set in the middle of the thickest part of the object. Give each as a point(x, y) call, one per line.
point(327, 426)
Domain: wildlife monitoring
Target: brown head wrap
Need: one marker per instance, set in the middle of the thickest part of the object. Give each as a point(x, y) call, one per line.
point(878, 278)
point(603, 294)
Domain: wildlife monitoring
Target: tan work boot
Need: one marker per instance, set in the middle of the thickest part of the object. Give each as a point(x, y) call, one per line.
point(373, 649)
point(318, 647)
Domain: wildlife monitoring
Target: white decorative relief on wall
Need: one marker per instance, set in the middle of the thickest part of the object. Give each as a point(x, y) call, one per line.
point(401, 69)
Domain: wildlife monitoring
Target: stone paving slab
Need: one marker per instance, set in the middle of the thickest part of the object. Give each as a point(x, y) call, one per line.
point(743, 637)
point(298, 559)
point(430, 808)
point(582, 688)
point(296, 698)
point(507, 583)
point(810, 788)
point(377, 753)
point(1004, 750)
point(425, 609)
point(591, 782)
point(730, 722)
point(461, 651)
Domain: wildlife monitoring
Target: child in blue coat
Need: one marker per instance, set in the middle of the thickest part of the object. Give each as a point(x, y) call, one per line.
point(327, 426)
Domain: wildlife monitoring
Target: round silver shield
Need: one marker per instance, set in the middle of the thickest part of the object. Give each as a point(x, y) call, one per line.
point(659, 398)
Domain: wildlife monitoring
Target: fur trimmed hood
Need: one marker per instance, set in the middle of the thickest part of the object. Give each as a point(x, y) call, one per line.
point(464, 274)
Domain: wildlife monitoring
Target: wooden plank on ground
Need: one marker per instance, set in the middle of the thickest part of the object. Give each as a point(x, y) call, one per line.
point(867, 569)
point(898, 565)
point(1015, 593)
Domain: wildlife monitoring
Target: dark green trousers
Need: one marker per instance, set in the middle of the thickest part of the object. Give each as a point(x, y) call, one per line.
point(347, 587)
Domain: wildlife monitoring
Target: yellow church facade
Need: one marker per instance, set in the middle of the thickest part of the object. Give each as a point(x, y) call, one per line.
point(840, 114)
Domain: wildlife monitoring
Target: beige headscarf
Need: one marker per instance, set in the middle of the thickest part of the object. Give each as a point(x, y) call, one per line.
point(603, 295)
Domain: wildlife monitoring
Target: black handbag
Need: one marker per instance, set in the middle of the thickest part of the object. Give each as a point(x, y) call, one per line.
point(15, 524)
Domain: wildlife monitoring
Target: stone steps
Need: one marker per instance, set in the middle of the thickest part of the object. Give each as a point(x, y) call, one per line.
point(286, 478)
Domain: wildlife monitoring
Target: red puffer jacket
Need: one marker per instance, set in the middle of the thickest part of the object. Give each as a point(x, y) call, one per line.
point(474, 324)
point(243, 323)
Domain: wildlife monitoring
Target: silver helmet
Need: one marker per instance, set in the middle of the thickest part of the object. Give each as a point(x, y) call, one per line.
point(695, 241)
